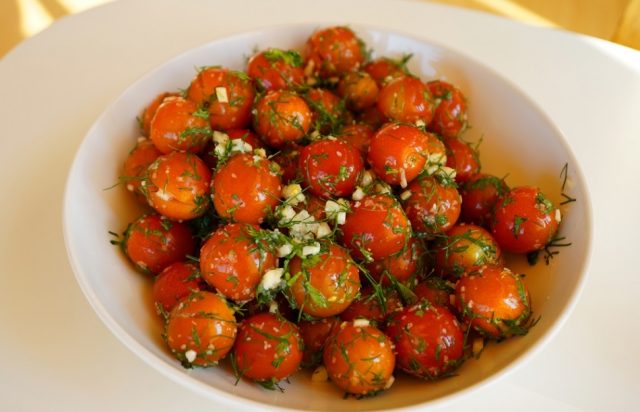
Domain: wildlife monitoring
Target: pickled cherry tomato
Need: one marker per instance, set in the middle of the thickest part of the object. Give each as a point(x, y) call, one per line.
point(179, 186)
point(359, 90)
point(494, 301)
point(201, 329)
point(359, 358)
point(233, 261)
point(368, 306)
point(406, 99)
point(465, 248)
point(400, 267)
point(450, 114)
point(330, 168)
point(153, 242)
point(373, 117)
point(275, 69)
point(376, 227)
point(383, 69)
point(178, 126)
point(480, 193)
point(433, 206)
point(327, 109)
point(398, 153)
point(135, 166)
point(314, 335)
point(463, 158)
point(287, 158)
point(268, 348)
point(281, 117)
point(525, 220)
point(436, 290)
point(333, 51)
point(150, 111)
point(246, 189)
point(174, 283)
point(428, 339)
point(227, 94)
point(326, 283)
point(358, 135)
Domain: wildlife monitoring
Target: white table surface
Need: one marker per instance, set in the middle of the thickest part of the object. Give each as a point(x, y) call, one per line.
point(56, 355)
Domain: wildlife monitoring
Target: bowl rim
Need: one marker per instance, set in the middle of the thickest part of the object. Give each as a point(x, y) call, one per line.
point(235, 400)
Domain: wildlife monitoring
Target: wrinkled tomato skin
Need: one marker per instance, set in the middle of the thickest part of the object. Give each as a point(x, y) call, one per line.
point(327, 110)
point(462, 158)
point(174, 283)
point(359, 90)
point(450, 114)
point(179, 186)
point(494, 301)
point(465, 248)
point(271, 70)
point(367, 306)
point(428, 339)
point(406, 99)
point(268, 348)
point(333, 51)
point(525, 220)
point(401, 267)
point(246, 189)
point(233, 263)
point(150, 111)
point(235, 112)
point(433, 207)
point(398, 153)
point(315, 334)
point(330, 168)
point(383, 70)
point(359, 359)
point(175, 127)
point(202, 325)
point(281, 117)
point(135, 167)
point(332, 276)
point(247, 135)
point(480, 193)
point(376, 228)
point(153, 242)
point(358, 135)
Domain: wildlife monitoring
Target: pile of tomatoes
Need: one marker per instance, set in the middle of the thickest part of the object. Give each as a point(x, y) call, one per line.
point(321, 210)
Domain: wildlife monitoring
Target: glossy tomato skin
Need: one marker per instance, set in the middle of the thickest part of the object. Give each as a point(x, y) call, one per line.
point(333, 51)
point(433, 207)
point(314, 334)
point(268, 348)
point(246, 189)
point(233, 261)
point(450, 114)
point(325, 283)
point(376, 228)
point(135, 167)
point(436, 291)
point(330, 167)
point(174, 283)
point(150, 111)
point(406, 99)
point(358, 135)
point(480, 193)
point(328, 110)
point(428, 339)
point(359, 90)
point(153, 242)
point(465, 248)
point(274, 69)
point(178, 186)
point(402, 267)
point(246, 135)
point(383, 70)
point(227, 94)
point(176, 126)
point(201, 329)
point(368, 306)
point(525, 220)
point(494, 301)
point(463, 158)
point(359, 359)
point(281, 117)
point(398, 153)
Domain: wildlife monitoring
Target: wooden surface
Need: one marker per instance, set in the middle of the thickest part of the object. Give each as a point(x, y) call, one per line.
point(615, 20)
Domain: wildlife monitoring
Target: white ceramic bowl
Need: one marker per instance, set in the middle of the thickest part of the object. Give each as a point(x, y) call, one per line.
point(518, 139)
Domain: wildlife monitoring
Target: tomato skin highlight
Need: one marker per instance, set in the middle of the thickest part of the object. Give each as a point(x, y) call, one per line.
point(233, 263)
point(174, 283)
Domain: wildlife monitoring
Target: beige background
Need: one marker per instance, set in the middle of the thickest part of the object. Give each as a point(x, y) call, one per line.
point(615, 20)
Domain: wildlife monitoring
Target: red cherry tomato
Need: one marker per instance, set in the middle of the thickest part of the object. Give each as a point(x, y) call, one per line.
point(494, 301)
point(288, 159)
point(436, 290)
point(368, 306)
point(406, 99)
point(429, 340)
point(401, 267)
point(359, 359)
point(281, 117)
point(228, 95)
point(373, 117)
point(525, 220)
point(179, 186)
point(314, 334)
point(135, 167)
point(150, 111)
point(383, 69)
point(174, 283)
point(233, 261)
point(268, 349)
point(201, 329)
point(326, 283)
point(359, 90)
point(246, 189)
point(480, 193)
point(327, 108)
point(178, 126)
point(450, 115)
point(463, 158)
point(153, 242)
point(333, 51)
point(376, 228)
point(358, 135)
point(275, 69)
point(330, 168)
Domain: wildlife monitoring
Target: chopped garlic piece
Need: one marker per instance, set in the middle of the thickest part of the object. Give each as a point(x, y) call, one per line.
point(164, 195)
point(446, 172)
point(358, 194)
point(293, 193)
point(367, 178)
point(285, 250)
point(390, 382)
point(420, 123)
point(260, 152)
point(287, 214)
point(361, 323)
point(239, 145)
point(273, 307)
point(341, 218)
point(190, 355)
point(478, 345)
point(311, 250)
point(272, 278)
point(323, 230)
point(558, 216)
point(220, 137)
point(403, 178)
point(405, 195)
point(382, 189)
point(221, 94)
point(320, 374)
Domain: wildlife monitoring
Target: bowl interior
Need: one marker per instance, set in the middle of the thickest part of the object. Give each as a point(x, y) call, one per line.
point(518, 140)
